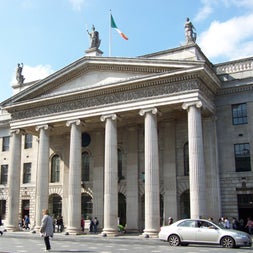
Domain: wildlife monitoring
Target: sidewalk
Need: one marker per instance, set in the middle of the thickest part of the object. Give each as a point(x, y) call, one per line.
point(82, 237)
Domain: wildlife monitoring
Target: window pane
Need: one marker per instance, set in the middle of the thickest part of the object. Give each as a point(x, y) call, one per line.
point(6, 143)
point(55, 169)
point(28, 141)
point(242, 157)
point(4, 174)
point(186, 159)
point(239, 114)
point(27, 173)
point(120, 165)
point(85, 166)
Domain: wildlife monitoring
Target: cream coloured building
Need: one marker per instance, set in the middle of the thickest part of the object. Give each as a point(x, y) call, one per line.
point(130, 140)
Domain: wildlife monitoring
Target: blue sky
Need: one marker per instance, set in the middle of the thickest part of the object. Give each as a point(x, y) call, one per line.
point(47, 35)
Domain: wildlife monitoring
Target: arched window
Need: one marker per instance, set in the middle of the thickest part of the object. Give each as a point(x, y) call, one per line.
point(85, 166)
point(186, 159)
point(55, 169)
point(120, 166)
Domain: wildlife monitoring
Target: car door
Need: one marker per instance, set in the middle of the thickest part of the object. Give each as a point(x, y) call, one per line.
point(207, 232)
point(187, 230)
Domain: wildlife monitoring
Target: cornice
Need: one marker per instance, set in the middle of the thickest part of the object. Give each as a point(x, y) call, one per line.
point(235, 90)
point(129, 85)
point(156, 89)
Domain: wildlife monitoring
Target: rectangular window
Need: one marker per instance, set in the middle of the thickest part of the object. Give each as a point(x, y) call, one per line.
point(242, 157)
point(239, 114)
point(4, 174)
point(27, 173)
point(6, 143)
point(28, 141)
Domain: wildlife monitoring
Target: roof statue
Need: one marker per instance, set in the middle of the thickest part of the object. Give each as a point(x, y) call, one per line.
point(94, 38)
point(190, 35)
point(19, 77)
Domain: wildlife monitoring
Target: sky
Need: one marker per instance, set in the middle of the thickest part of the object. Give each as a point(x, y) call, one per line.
point(47, 35)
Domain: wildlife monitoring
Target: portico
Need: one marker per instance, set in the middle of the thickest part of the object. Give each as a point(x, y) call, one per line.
point(131, 107)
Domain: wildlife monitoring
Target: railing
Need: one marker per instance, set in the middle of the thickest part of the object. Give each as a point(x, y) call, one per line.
point(235, 66)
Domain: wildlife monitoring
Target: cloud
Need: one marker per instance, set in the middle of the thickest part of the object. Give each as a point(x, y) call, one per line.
point(208, 7)
point(77, 4)
point(34, 73)
point(231, 39)
point(204, 12)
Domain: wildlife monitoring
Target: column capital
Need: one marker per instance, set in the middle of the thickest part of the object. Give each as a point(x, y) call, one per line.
point(45, 127)
point(113, 116)
point(17, 131)
point(75, 121)
point(198, 104)
point(153, 110)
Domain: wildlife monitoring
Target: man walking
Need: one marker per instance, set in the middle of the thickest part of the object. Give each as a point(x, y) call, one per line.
point(47, 228)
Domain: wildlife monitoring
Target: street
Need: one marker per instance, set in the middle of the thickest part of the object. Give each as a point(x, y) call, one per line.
point(11, 243)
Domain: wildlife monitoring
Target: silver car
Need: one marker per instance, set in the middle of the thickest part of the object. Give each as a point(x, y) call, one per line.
point(203, 231)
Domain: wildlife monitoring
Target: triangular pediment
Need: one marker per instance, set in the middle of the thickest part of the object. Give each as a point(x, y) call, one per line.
point(89, 74)
point(93, 80)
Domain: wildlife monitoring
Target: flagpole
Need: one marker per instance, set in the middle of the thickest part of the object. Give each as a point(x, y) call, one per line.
point(110, 34)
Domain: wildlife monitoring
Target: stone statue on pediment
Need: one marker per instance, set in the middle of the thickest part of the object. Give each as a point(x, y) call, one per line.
point(190, 35)
point(19, 77)
point(94, 38)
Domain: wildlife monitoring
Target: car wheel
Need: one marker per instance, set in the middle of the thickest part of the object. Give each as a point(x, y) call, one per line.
point(174, 240)
point(227, 242)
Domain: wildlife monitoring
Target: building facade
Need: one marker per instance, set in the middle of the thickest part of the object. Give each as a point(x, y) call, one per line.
point(130, 141)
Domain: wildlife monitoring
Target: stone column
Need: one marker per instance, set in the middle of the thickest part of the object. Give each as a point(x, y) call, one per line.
point(132, 208)
point(169, 171)
point(152, 188)
point(14, 181)
point(111, 176)
point(98, 177)
point(196, 160)
point(212, 168)
point(74, 195)
point(42, 182)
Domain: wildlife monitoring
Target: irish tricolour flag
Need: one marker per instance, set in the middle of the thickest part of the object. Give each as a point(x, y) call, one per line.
point(113, 25)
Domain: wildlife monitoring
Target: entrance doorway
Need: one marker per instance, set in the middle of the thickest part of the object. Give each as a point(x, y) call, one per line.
point(55, 205)
point(245, 206)
point(185, 204)
point(25, 207)
point(122, 209)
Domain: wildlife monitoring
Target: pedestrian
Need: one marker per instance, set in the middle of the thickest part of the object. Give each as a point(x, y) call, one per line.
point(95, 225)
point(59, 223)
point(47, 229)
point(82, 224)
point(249, 225)
point(91, 225)
point(170, 220)
point(26, 222)
point(236, 224)
point(1, 224)
point(227, 223)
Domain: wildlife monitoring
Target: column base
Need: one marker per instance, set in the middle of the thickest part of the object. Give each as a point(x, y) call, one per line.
point(12, 228)
point(36, 229)
point(73, 231)
point(110, 232)
point(150, 233)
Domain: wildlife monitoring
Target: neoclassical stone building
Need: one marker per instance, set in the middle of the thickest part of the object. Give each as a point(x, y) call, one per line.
point(130, 140)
